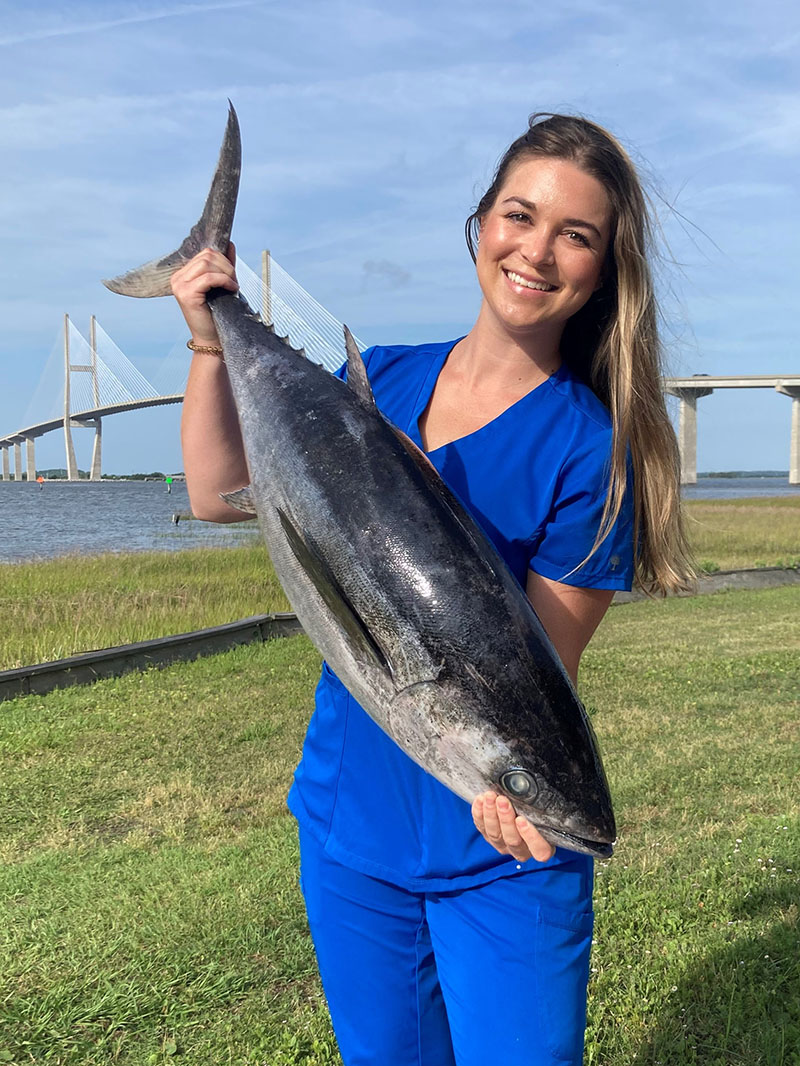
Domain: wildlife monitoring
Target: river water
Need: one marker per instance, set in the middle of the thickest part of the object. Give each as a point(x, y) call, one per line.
point(88, 517)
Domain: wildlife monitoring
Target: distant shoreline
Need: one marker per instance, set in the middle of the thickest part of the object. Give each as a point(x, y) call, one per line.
point(742, 473)
point(703, 474)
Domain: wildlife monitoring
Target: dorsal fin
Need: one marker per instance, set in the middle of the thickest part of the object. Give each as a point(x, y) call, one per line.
point(356, 371)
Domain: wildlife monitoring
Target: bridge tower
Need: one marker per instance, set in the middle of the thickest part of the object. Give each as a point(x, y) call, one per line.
point(69, 422)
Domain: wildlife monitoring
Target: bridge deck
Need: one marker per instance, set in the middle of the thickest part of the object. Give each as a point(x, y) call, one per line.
point(753, 381)
point(40, 428)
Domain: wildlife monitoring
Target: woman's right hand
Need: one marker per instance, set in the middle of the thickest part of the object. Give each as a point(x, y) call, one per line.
point(207, 270)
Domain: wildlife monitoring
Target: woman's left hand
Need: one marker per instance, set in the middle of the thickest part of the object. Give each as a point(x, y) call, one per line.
point(507, 832)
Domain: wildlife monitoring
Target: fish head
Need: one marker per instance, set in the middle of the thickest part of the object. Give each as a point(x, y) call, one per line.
point(553, 775)
point(574, 813)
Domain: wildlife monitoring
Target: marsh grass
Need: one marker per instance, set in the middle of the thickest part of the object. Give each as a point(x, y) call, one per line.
point(740, 533)
point(149, 908)
point(58, 607)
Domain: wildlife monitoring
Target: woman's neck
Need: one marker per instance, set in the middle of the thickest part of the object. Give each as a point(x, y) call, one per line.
point(491, 356)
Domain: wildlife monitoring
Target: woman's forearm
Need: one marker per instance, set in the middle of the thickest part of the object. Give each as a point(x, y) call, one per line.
point(213, 455)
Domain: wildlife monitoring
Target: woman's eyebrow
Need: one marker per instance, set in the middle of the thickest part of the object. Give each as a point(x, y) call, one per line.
point(529, 205)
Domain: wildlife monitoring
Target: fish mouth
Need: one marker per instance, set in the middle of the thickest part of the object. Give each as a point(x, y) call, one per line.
point(560, 838)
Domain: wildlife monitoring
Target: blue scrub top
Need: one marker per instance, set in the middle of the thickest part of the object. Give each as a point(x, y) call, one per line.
point(535, 478)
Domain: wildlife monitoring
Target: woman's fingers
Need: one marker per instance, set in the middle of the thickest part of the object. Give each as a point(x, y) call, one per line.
point(496, 819)
point(209, 269)
point(540, 849)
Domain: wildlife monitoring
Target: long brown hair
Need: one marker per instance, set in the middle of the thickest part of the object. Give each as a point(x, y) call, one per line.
point(612, 343)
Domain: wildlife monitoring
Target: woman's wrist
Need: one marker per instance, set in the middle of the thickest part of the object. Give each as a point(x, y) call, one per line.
point(205, 347)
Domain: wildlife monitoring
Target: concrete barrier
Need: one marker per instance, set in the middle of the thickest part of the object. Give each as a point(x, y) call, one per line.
point(112, 662)
point(766, 578)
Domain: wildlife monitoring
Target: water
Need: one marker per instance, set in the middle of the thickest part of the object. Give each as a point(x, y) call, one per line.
point(88, 517)
point(726, 488)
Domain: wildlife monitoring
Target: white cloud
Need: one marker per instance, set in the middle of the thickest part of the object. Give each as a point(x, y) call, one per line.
point(42, 21)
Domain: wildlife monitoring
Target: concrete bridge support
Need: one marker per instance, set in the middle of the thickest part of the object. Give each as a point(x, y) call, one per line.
point(72, 466)
point(30, 458)
point(69, 447)
point(97, 450)
point(6, 470)
point(17, 461)
point(794, 440)
point(687, 431)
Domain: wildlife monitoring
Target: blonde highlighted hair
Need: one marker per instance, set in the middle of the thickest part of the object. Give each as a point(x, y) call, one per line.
point(612, 343)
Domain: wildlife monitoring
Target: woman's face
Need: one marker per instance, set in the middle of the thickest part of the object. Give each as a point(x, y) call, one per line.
point(542, 246)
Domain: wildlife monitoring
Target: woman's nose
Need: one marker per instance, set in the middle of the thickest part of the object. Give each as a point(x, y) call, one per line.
point(538, 248)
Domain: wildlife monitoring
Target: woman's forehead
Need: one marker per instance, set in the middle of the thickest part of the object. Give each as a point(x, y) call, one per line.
point(556, 183)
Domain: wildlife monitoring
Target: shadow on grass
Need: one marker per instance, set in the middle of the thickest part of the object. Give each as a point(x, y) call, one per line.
point(739, 1006)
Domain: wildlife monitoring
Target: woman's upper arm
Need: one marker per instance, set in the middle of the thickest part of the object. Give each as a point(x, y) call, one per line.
point(569, 614)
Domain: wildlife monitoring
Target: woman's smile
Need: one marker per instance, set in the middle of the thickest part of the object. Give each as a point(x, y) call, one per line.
point(525, 282)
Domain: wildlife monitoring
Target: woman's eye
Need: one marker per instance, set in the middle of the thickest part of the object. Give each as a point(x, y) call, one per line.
point(580, 238)
point(518, 216)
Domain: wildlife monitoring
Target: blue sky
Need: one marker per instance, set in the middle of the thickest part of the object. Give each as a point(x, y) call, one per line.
point(369, 131)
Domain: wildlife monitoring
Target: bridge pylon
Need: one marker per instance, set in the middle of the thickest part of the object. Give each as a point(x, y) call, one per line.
point(687, 430)
point(69, 422)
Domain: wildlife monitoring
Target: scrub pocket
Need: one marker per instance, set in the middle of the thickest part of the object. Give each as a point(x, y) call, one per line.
point(563, 944)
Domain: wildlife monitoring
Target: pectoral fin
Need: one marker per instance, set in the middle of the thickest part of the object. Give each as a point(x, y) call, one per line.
point(241, 499)
point(324, 580)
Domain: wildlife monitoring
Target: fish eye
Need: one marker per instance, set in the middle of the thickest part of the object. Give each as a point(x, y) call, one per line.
point(519, 783)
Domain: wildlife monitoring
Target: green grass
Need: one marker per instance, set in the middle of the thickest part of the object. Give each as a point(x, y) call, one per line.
point(149, 910)
point(59, 607)
point(737, 534)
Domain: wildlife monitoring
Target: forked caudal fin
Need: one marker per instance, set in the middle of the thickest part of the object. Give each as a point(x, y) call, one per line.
point(212, 231)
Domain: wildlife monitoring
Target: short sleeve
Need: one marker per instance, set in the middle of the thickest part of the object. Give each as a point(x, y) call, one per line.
point(565, 537)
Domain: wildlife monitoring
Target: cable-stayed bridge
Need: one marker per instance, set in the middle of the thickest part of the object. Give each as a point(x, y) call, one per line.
point(98, 380)
point(85, 381)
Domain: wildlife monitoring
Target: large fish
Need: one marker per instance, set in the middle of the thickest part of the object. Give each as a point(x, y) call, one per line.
point(390, 576)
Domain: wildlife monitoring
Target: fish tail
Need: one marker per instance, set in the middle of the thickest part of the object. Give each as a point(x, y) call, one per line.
point(212, 231)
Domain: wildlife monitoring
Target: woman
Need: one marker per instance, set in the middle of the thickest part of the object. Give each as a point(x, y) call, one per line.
point(444, 935)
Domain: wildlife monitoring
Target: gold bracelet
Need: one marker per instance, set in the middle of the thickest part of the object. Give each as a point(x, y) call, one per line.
point(206, 349)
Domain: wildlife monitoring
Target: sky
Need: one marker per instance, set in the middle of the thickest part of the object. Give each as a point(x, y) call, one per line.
point(370, 130)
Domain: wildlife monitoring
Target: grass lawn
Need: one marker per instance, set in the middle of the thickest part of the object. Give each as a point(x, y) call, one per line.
point(149, 909)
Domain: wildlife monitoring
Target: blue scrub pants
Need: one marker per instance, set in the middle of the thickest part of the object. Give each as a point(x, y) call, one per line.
point(492, 973)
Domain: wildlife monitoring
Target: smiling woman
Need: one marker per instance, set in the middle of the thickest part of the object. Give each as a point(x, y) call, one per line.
point(547, 420)
point(537, 263)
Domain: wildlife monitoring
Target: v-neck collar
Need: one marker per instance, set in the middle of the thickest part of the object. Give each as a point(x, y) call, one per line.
point(428, 384)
